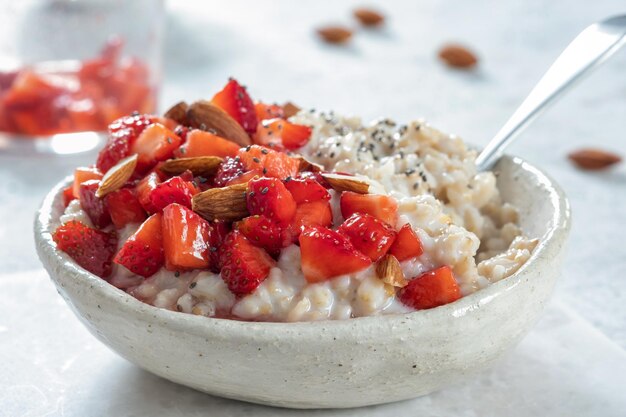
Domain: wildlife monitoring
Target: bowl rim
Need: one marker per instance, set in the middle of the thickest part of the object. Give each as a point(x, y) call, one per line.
point(48, 253)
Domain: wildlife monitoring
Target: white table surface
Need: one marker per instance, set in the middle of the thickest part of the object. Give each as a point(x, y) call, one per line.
point(572, 363)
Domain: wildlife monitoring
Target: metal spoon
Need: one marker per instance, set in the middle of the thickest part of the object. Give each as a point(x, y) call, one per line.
point(588, 50)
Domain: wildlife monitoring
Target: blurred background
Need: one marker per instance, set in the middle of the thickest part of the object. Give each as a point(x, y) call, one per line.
point(190, 48)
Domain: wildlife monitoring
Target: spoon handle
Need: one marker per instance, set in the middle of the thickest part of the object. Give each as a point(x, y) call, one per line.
point(587, 51)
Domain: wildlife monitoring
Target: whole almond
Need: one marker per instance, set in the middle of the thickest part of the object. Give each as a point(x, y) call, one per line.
point(290, 109)
point(340, 183)
point(389, 271)
point(306, 165)
point(199, 166)
point(117, 176)
point(593, 159)
point(227, 203)
point(334, 34)
point(368, 17)
point(178, 113)
point(458, 56)
point(206, 116)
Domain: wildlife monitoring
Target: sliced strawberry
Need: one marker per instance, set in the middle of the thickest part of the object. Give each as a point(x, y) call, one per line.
point(144, 190)
point(407, 245)
point(327, 254)
point(201, 143)
point(269, 162)
point(269, 197)
point(313, 213)
point(91, 249)
point(94, 206)
point(182, 131)
point(368, 235)
point(316, 176)
point(431, 289)
point(268, 111)
point(382, 207)
point(185, 239)
point(82, 174)
point(279, 133)
point(122, 133)
point(156, 143)
point(244, 266)
point(305, 190)
point(265, 233)
point(124, 207)
point(235, 101)
point(216, 238)
point(142, 253)
point(68, 195)
point(174, 190)
point(230, 169)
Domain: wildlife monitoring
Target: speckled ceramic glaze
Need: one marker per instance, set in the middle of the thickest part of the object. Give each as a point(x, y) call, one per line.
point(348, 363)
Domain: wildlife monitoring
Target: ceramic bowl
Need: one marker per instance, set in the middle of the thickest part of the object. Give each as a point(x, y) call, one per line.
point(347, 363)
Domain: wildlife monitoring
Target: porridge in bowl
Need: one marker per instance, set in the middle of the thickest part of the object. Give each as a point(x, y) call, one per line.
point(235, 210)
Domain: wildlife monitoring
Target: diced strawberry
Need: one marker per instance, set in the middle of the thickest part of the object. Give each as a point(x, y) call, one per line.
point(269, 162)
point(185, 238)
point(265, 233)
point(216, 238)
point(244, 266)
point(124, 207)
point(269, 197)
point(327, 254)
point(174, 190)
point(82, 174)
point(91, 249)
point(313, 213)
point(279, 133)
point(268, 111)
point(316, 176)
point(305, 190)
point(182, 131)
point(431, 289)
point(94, 206)
point(136, 123)
point(116, 149)
point(235, 101)
point(142, 253)
point(156, 143)
point(201, 143)
point(382, 207)
point(368, 235)
point(407, 245)
point(144, 189)
point(245, 178)
point(122, 133)
point(230, 169)
point(68, 195)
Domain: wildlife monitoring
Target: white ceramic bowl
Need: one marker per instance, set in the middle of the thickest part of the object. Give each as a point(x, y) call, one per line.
point(347, 363)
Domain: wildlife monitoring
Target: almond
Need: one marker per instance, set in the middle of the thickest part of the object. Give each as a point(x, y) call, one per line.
point(340, 183)
point(117, 176)
point(178, 113)
point(290, 109)
point(306, 165)
point(457, 56)
point(206, 116)
point(593, 159)
point(227, 203)
point(389, 271)
point(368, 17)
point(200, 166)
point(334, 34)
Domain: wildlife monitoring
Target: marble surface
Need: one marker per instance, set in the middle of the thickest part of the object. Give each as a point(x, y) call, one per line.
point(49, 365)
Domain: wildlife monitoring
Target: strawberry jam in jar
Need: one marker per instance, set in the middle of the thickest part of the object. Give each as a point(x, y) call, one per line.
point(75, 66)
